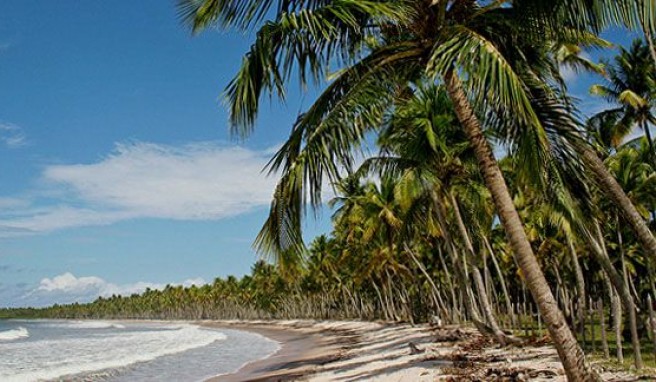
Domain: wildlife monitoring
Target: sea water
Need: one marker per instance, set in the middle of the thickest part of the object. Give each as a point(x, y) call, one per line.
point(42, 350)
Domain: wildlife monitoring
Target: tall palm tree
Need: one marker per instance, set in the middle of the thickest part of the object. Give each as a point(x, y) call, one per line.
point(631, 86)
point(496, 48)
point(424, 144)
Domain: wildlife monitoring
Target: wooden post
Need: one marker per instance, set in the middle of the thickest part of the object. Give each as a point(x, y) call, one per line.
point(580, 320)
point(602, 322)
point(513, 319)
point(526, 324)
point(592, 327)
point(513, 316)
point(531, 315)
point(652, 322)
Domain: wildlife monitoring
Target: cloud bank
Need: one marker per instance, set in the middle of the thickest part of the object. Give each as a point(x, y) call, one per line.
point(67, 288)
point(204, 181)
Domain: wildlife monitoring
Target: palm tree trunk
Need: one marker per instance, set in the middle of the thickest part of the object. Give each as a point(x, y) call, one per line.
point(461, 278)
point(454, 300)
point(621, 287)
point(569, 351)
point(602, 323)
point(565, 301)
point(612, 190)
point(650, 275)
point(650, 142)
point(616, 311)
point(439, 303)
point(502, 281)
point(633, 320)
point(580, 283)
point(479, 284)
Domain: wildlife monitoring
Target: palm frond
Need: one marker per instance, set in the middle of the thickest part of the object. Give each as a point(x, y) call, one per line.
point(201, 14)
point(304, 43)
point(323, 142)
point(489, 75)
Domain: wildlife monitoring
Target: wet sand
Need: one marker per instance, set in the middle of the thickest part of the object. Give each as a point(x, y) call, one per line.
point(301, 354)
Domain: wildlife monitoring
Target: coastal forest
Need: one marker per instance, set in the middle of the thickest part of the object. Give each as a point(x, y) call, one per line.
point(465, 184)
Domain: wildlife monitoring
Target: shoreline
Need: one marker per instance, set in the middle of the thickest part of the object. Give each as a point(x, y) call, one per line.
point(300, 353)
point(334, 350)
point(322, 351)
point(352, 351)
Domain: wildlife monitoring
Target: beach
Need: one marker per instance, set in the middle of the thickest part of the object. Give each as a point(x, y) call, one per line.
point(324, 351)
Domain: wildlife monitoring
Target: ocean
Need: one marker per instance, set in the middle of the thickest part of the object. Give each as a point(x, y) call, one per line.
point(43, 350)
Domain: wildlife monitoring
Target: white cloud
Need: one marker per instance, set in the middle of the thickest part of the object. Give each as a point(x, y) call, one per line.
point(36, 220)
point(143, 180)
point(12, 135)
point(68, 283)
point(67, 288)
point(203, 181)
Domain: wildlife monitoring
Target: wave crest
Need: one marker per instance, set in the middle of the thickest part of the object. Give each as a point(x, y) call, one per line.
point(100, 353)
point(14, 334)
point(88, 325)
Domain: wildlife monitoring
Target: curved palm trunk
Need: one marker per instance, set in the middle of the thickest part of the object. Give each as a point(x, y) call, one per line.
point(632, 309)
point(461, 278)
point(580, 284)
point(619, 283)
point(615, 193)
point(616, 311)
point(455, 314)
point(483, 297)
point(437, 297)
point(504, 289)
point(569, 351)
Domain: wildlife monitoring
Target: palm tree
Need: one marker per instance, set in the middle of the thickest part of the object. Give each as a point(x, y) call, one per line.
point(424, 144)
point(646, 21)
point(382, 46)
point(631, 85)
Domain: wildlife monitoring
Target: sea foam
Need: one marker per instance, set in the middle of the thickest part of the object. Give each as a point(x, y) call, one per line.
point(92, 354)
point(87, 325)
point(14, 334)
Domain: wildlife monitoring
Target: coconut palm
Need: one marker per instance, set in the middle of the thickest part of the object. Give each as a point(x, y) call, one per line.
point(489, 55)
point(631, 85)
point(466, 39)
point(421, 145)
point(636, 175)
point(645, 19)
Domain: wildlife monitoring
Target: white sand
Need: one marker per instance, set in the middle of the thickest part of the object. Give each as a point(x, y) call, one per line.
point(381, 352)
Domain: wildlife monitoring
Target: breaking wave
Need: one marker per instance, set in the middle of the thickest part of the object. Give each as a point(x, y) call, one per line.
point(14, 334)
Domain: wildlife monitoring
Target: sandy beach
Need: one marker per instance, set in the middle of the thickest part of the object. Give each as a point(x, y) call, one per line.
point(300, 354)
point(324, 351)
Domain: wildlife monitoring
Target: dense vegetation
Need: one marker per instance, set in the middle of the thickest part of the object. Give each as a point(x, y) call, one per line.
point(434, 225)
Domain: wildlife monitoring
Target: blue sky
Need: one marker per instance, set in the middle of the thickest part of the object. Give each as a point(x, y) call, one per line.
point(116, 163)
point(117, 171)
